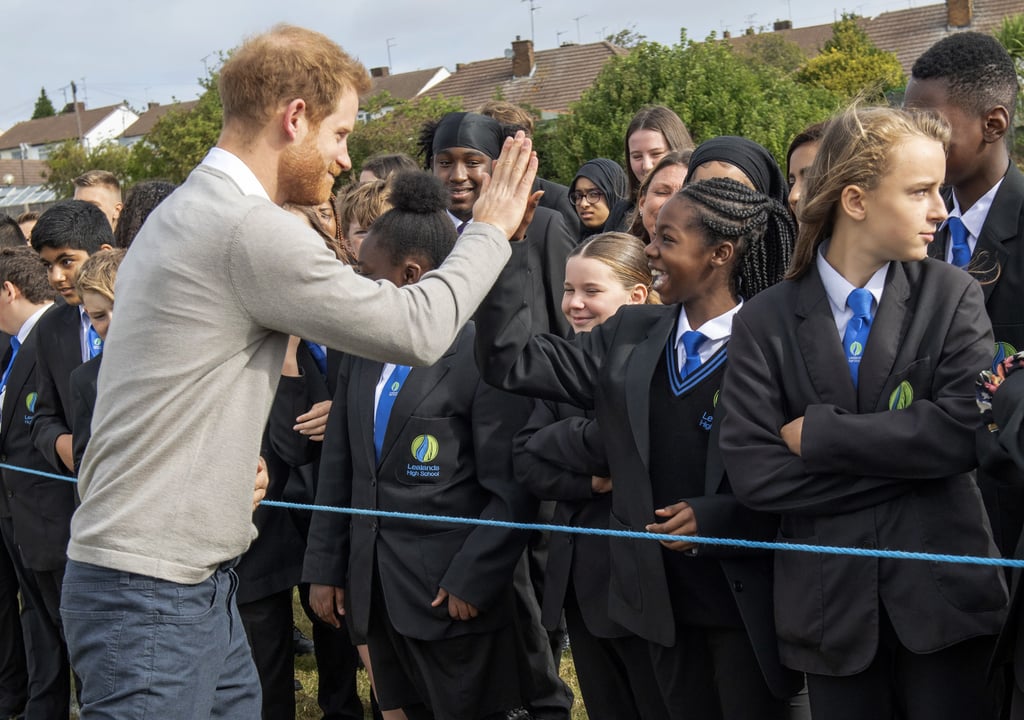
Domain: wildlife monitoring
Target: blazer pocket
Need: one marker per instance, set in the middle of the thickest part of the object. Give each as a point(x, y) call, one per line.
point(912, 381)
point(436, 553)
point(798, 594)
point(625, 566)
point(427, 452)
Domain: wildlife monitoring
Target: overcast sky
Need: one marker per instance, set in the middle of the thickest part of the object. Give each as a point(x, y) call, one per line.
point(155, 51)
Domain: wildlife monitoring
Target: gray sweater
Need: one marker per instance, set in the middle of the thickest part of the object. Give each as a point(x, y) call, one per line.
point(205, 301)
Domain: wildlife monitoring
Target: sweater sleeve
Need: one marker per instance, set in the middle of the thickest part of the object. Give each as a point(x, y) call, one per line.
point(287, 280)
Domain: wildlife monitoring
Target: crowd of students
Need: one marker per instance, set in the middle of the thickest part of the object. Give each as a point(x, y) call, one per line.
point(688, 344)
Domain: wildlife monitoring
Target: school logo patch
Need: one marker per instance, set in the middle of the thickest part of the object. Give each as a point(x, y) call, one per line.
point(714, 400)
point(1003, 351)
point(856, 348)
point(424, 448)
point(901, 397)
point(30, 401)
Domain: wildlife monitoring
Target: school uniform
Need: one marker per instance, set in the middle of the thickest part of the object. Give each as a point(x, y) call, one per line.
point(272, 566)
point(556, 197)
point(60, 350)
point(997, 261)
point(556, 454)
point(446, 450)
point(611, 370)
point(84, 380)
point(885, 465)
point(40, 511)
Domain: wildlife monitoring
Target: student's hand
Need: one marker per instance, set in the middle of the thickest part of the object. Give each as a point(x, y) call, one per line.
point(503, 200)
point(328, 602)
point(458, 609)
point(600, 485)
point(65, 448)
point(531, 209)
point(681, 520)
point(291, 364)
point(791, 434)
point(262, 481)
point(313, 424)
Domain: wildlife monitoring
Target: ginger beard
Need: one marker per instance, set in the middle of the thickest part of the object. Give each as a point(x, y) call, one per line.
point(304, 176)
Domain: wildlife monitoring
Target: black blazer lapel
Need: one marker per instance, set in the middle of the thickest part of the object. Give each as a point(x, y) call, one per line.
point(24, 367)
point(418, 384)
point(366, 376)
point(1000, 225)
point(820, 345)
point(887, 331)
point(639, 371)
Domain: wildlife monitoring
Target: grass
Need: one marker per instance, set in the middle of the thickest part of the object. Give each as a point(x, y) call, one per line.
point(305, 671)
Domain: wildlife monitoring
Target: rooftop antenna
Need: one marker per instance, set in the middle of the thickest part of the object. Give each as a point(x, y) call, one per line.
point(558, 37)
point(534, 7)
point(579, 38)
point(390, 45)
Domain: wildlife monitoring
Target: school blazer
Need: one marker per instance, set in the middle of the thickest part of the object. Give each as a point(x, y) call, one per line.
point(998, 264)
point(41, 508)
point(84, 381)
point(886, 466)
point(609, 371)
point(550, 244)
point(556, 197)
point(60, 352)
point(553, 458)
point(462, 430)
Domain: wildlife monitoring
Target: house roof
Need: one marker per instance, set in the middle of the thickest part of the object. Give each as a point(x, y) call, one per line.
point(560, 76)
point(404, 86)
point(35, 171)
point(55, 129)
point(144, 125)
point(908, 33)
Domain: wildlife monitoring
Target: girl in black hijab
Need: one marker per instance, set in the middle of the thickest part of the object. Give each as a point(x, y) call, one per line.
point(598, 186)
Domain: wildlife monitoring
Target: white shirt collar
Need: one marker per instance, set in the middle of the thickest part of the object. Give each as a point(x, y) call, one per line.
point(974, 218)
point(839, 288)
point(26, 327)
point(232, 166)
point(717, 330)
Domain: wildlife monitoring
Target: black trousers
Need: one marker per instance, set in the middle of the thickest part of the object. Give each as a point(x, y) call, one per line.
point(337, 662)
point(615, 674)
point(713, 674)
point(950, 683)
point(13, 668)
point(49, 672)
point(268, 625)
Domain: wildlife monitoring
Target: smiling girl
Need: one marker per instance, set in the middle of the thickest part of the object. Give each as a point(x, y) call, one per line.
point(849, 410)
point(651, 376)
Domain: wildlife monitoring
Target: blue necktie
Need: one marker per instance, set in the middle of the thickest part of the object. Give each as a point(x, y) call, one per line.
point(461, 226)
point(958, 235)
point(384, 405)
point(318, 354)
point(95, 342)
point(692, 340)
point(15, 346)
point(856, 336)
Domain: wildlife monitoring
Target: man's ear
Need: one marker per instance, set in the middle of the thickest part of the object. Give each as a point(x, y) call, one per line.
point(997, 123)
point(294, 120)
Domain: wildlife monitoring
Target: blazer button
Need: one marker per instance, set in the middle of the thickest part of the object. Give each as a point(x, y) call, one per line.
point(373, 526)
point(10, 493)
point(737, 586)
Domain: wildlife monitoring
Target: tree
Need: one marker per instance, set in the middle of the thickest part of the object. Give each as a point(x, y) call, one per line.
point(70, 159)
point(181, 138)
point(713, 89)
point(850, 65)
point(1011, 36)
point(774, 50)
point(44, 108)
point(394, 125)
point(626, 37)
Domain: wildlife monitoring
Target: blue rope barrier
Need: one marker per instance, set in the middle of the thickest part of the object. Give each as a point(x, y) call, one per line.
point(630, 534)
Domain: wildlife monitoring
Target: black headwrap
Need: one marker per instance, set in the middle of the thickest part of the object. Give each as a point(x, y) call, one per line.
point(753, 159)
point(469, 130)
point(607, 175)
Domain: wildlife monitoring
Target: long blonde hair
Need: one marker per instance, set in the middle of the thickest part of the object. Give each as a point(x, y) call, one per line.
point(855, 150)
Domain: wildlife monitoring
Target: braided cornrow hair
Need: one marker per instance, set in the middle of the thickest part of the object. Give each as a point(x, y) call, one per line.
point(761, 228)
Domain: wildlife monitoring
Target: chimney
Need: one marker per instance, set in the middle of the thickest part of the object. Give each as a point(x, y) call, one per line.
point(379, 72)
point(522, 57)
point(153, 105)
point(726, 34)
point(782, 25)
point(959, 13)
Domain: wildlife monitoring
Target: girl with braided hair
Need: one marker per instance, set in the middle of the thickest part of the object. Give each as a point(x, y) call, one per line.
point(651, 376)
point(850, 411)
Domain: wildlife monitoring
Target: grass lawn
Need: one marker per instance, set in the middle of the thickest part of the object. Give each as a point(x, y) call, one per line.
point(305, 671)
